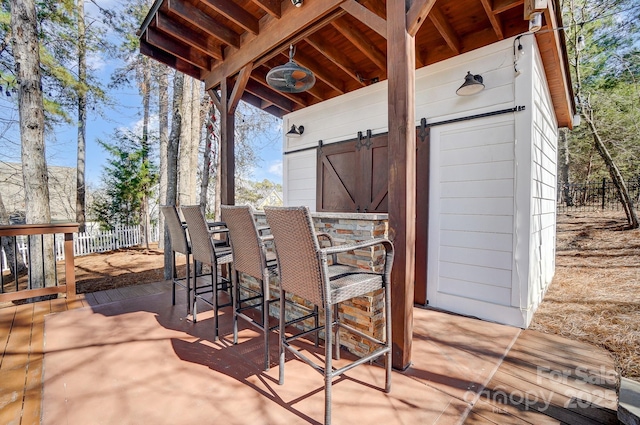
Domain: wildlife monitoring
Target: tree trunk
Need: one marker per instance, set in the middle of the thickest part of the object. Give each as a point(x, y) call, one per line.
point(616, 176)
point(163, 120)
point(614, 172)
point(184, 158)
point(82, 117)
point(145, 219)
point(18, 267)
point(563, 169)
point(26, 52)
point(218, 188)
point(196, 137)
point(172, 163)
point(206, 163)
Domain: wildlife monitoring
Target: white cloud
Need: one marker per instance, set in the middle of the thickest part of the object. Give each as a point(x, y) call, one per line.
point(136, 126)
point(276, 168)
point(95, 61)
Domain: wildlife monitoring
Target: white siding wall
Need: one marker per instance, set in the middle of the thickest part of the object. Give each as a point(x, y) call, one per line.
point(492, 215)
point(341, 118)
point(543, 190)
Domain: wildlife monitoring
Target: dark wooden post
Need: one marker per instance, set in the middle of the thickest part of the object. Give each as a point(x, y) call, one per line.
point(402, 168)
point(227, 146)
point(69, 263)
point(422, 213)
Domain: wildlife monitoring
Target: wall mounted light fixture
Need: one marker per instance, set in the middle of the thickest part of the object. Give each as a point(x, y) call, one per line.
point(295, 131)
point(535, 22)
point(472, 85)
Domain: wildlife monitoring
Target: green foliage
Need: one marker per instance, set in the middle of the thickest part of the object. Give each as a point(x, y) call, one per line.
point(128, 179)
point(605, 76)
point(128, 21)
point(252, 193)
point(58, 36)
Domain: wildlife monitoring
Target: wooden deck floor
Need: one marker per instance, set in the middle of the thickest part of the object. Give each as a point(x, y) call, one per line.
point(543, 379)
point(22, 347)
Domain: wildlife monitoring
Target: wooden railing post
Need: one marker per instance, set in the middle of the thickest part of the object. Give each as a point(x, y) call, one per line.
point(69, 288)
point(69, 264)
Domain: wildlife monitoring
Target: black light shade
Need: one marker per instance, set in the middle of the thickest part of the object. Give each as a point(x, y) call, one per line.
point(295, 131)
point(291, 77)
point(472, 85)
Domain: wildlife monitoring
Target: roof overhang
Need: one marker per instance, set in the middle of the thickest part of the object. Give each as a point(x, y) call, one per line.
point(342, 41)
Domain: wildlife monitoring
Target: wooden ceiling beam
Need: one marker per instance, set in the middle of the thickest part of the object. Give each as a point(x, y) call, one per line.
point(169, 60)
point(377, 6)
point(181, 50)
point(366, 16)
point(206, 23)
point(192, 38)
point(273, 34)
point(264, 104)
point(238, 87)
point(320, 72)
point(361, 42)
point(444, 28)
point(416, 15)
point(235, 13)
point(269, 95)
point(272, 7)
point(496, 23)
point(332, 53)
point(500, 6)
point(300, 36)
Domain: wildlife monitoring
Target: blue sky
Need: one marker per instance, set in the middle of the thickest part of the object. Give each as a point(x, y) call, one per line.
point(126, 112)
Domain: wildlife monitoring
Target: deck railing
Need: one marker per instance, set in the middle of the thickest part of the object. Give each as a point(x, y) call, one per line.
point(24, 287)
point(85, 243)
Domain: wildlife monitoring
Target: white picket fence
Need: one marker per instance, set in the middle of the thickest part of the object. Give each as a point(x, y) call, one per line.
point(86, 243)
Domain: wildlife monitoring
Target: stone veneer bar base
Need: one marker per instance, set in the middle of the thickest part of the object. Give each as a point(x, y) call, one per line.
point(363, 313)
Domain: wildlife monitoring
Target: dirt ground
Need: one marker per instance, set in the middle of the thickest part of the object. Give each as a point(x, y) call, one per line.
point(594, 296)
point(595, 293)
point(115, 269)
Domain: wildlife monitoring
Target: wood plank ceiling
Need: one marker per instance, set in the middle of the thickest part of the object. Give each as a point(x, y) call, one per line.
point(342, 41)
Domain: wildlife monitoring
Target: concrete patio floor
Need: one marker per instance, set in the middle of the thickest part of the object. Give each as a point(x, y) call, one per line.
point(135, 359)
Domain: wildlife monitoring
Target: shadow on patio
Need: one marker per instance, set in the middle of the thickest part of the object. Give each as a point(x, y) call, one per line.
point(139, 361)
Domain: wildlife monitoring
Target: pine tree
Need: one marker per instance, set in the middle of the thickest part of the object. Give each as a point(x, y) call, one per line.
point(127, 178)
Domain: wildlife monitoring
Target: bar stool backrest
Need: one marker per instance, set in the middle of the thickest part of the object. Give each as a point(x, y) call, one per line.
point(297, 249)
point(201, 245)
point(177, 233)
point(247, 247)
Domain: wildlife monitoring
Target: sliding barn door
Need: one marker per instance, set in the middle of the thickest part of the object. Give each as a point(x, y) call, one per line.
point(353, 175)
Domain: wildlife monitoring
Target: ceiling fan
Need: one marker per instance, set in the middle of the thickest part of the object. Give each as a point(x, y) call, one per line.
point(291, 77)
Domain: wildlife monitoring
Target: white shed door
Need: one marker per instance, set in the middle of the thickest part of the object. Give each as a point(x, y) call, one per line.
point(471, 214)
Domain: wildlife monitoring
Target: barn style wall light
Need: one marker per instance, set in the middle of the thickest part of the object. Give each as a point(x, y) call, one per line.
point(472, 85)
point(535, 22)
point(295, 131)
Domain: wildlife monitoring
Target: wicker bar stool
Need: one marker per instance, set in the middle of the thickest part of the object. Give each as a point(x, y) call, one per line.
point(179, 244)
point(205, 251)
point(305, 271)
point(252, 258)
